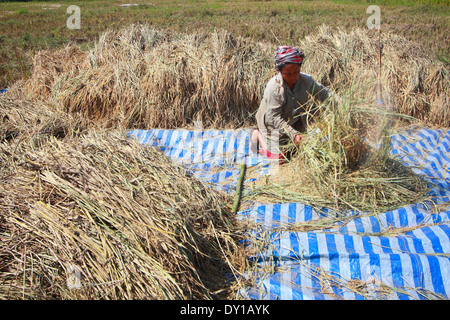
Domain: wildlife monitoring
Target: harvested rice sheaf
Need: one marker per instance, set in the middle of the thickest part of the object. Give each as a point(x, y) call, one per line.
point(23, 119)
point(414, 82)
point(140, 77)
point(99, 216)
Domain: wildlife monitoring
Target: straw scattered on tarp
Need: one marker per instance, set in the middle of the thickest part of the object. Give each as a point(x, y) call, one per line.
point(99, 216)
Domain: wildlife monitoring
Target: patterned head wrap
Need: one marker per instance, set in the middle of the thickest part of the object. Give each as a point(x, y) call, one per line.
point(287, 54)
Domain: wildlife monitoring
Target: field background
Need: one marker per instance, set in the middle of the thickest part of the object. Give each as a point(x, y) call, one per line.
point(27, 27)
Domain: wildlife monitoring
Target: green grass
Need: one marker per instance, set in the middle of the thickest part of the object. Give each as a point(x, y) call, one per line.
point(394, 2)
point(26, 27)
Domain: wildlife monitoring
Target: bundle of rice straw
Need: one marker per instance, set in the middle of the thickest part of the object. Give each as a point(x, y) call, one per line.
point(98, 216)
point(34, 121)
point(414, 82)
point(52, 66)
point(138, 77)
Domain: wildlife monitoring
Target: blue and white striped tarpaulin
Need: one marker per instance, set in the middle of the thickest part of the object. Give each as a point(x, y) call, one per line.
point(354, 258)
point(213, 156)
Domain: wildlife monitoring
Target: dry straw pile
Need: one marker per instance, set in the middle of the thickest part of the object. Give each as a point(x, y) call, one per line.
point(142, 78)
point(139, 77)
point(414, 82)
point(98, 216)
